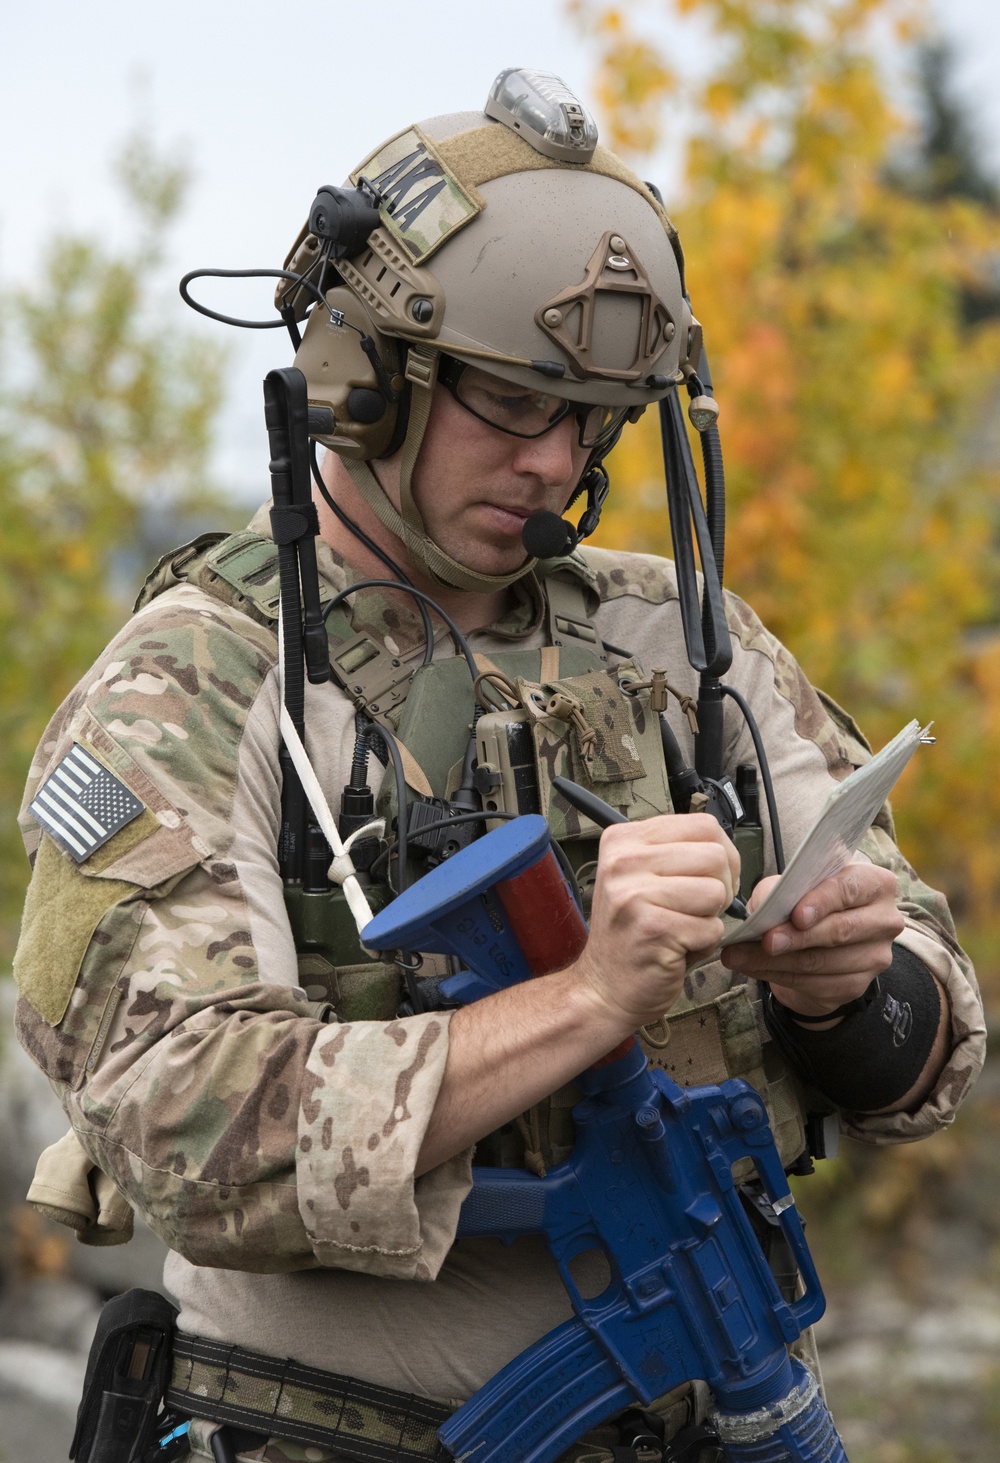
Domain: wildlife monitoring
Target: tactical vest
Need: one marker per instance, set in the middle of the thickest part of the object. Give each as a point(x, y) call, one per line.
point(598, 735)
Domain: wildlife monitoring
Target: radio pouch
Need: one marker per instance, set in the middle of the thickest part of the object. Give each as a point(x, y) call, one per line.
point(586, 727)
point(128, 1371)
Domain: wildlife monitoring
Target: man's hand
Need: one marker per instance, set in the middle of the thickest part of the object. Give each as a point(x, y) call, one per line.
point(661, 886)
point(838, 938)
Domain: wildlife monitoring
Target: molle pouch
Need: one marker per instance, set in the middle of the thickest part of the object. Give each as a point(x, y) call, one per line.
point(434, 725)
point(128, 1371)
point(366, 991)
point(707, 1043)
point(588, 728)
point(333, 965)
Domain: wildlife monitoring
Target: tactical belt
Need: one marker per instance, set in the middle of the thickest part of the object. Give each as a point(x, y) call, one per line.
point(284, 1399)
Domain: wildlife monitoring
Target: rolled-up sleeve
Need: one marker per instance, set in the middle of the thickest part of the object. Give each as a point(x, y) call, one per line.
point(369, 1091)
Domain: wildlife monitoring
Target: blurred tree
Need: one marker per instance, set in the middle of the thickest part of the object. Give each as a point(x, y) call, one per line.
point(949, 159)
point(946, 159)
point(856, 393)
point(105, 421)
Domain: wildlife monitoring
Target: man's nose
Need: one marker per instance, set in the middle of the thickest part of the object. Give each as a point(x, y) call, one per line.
point(551, 457)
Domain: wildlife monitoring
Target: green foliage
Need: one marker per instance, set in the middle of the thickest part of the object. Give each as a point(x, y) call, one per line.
point(105, 421)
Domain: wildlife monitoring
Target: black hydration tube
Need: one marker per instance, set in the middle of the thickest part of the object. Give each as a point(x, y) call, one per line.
point(706, 633)
point(461, 644)
point(373, 548)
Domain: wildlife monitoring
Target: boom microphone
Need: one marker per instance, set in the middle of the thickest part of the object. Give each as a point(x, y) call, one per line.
point(547, 536)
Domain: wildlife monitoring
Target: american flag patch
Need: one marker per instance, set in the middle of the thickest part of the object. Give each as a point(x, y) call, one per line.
point(81, 804)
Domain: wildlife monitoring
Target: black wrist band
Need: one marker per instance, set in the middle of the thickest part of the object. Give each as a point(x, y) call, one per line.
point(849, 1008)
point(876, 1054)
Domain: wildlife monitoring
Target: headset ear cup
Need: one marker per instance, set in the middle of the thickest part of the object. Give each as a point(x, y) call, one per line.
point(336, 358)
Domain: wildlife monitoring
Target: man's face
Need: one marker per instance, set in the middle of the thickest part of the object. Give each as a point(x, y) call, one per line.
point(475, 485)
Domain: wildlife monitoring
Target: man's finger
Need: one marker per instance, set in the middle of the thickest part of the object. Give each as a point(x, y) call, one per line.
point(668, 828)
point(671, 846)
point(853, 888)
point(857, 926)
point(800, 967)
point(688, 894)
point(761, 890)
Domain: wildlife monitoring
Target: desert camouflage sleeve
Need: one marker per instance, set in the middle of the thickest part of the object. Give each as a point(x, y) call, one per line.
point(812, 744)
point(159, 986)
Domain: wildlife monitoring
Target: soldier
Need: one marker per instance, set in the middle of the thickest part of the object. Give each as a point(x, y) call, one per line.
point(302, 1148)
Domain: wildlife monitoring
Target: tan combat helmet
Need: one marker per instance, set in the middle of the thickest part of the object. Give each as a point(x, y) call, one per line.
point(507, 238)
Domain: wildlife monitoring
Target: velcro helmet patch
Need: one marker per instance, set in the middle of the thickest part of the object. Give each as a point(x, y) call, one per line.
point(81, 804)
point(423, 203)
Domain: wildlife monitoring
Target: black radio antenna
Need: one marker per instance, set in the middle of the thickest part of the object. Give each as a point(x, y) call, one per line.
point(294, 526)
point(706, 633)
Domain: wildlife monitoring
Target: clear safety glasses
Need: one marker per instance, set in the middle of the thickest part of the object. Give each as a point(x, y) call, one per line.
point(521, 411)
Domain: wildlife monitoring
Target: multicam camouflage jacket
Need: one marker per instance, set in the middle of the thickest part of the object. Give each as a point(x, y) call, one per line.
point(160, 989)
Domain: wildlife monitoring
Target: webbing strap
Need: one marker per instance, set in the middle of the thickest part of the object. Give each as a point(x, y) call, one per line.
point(421, 372)
point(442, 566)
point(549, 670)
point(284, 1399)
point(566, 612)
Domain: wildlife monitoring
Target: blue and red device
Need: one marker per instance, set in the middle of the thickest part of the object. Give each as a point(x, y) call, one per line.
point(649, 1184)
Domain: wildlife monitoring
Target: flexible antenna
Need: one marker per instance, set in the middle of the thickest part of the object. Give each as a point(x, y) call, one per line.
point(294, 526)
point(706, 632)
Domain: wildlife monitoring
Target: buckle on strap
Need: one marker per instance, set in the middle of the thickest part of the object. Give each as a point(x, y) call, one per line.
point(420, 368)
point(285, 1399)
point(566, 612)
point(374, 679)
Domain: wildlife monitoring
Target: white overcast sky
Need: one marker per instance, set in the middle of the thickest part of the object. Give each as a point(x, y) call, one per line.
point(269, 101)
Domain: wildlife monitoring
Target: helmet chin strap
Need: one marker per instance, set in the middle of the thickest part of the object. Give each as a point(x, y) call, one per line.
point(408, 525)
point(441, 566)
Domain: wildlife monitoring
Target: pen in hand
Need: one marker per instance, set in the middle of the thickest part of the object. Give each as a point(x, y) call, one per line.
point(603, 814)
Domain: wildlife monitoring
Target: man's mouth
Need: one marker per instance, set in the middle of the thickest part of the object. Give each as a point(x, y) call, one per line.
point(508, 517)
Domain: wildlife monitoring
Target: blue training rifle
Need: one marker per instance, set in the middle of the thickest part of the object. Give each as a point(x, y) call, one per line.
point(649, 1184)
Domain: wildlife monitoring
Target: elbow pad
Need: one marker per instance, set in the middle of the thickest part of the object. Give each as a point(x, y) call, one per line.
point(876, 1054)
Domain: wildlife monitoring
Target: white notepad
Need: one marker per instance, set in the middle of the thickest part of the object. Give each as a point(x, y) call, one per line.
point(846, 817)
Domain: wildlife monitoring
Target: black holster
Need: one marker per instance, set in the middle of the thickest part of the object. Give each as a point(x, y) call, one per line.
point(128, 1372)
